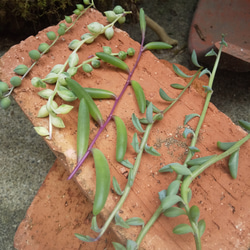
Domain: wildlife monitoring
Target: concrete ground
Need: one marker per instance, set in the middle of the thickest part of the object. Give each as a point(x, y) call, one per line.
point(25, 158)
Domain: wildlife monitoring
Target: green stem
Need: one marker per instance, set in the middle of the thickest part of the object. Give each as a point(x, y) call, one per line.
point(183, 91)
point(189, 179)
point(150, 223)
point(128, 186)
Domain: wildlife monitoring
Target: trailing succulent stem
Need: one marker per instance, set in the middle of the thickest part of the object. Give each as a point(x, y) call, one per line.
point(197, 166)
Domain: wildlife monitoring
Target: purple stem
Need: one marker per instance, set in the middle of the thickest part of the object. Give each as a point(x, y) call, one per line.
point(111, 112)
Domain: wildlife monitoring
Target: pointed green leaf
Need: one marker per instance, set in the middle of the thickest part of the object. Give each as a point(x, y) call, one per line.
point(117, 186)
point(127, 164)
point(169, 201)
point(166, 168)
point(120, 222)
point(207, 89)
point(174, 212)
point(182, 229)
point(194, 59)
point(211, 53)
point(151, 150)
point(193, 149)
point(188, 131)
point(164, 96)
point(63, 109)
point(85, 238)
point(180, 72)
point(177, 86)
point(180, 169)
point(189, 117)
point(135, 221)
point(46, 93)
point(137, 123)
point(204, 72)
point(131, 245)
point(57, 121)
point(162, 194)
point(135, 143)
point(173, 187)
point(42, 131)
point(143, 121)
point(149, 113)
point(225, 145)
point(94, 225)
point(155, 109)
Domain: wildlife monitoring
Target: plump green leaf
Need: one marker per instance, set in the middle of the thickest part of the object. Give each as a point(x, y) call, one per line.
point(201, 227)
point(177, 86)
point(189, 117)
point(120, 222)
point(151, 150)
point(142, 21)
point(140, 96)
point(21, 69)
point(225, 145)
point(113, 61)
point(135, 221)
point(117, 186)
point(233, 164)
point(164, 96)
point(180, 72)
point(174, 212)
point(157, 45)
point(244, 124)
point(199, 161)
point(137, 123)
point(194, 213)
point(73, 59)
point(182, 229)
